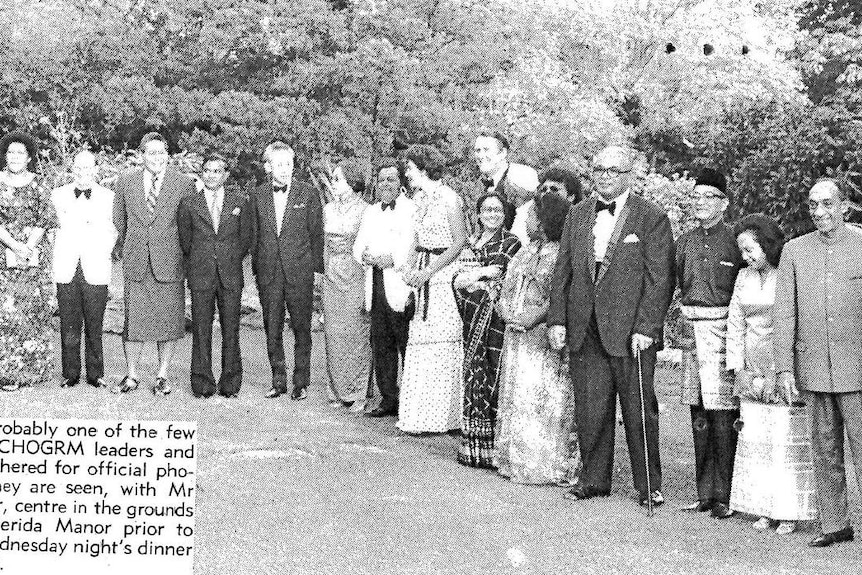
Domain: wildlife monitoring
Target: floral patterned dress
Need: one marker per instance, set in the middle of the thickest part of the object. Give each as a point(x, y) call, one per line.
point(536, 439)
point(26, 302)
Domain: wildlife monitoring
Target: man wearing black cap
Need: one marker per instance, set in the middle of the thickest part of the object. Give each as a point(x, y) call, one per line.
point(707, 261)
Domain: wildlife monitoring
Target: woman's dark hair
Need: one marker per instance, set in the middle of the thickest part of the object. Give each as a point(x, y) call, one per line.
point(19, 138)
point(552, 211)
point(427, 158)
point(354, 170)
point(574, 188)
point(766, 232)
point(508, 208)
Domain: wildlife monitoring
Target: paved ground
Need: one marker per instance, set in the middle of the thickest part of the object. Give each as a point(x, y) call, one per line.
point(289, 487)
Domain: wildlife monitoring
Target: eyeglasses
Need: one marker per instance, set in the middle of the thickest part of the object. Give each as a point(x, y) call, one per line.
point(708, 196)
point(555, 188)
point(599, 170)
point(493, 210)
point(827, 205)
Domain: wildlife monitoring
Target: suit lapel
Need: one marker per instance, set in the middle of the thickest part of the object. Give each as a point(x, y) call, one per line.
point(584, 236)
point(229, 202)
point(200, 204)
point(615, 236)
point(139, 197)
point(268, 205)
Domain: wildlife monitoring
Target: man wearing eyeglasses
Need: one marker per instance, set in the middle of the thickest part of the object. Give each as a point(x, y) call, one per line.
point(707, 263)
point(609, 297)
point(818, 335)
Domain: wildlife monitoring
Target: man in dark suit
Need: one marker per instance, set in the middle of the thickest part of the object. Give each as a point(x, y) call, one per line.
point(215, 234)
point(610, 294)
point(286, 252)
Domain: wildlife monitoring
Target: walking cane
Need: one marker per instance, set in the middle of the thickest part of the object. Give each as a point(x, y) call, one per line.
point(643, 426)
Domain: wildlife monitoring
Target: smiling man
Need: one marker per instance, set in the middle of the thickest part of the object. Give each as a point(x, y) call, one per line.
point(609, 297)
point(818, 329)
point(707, 262)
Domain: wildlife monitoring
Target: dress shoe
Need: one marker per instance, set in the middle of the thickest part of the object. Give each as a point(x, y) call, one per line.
point(721, 510)
point(162, 387)
point(69, 382)
point(98, 382)
point(273, 393)
point(298, 394)
point(382, 411)
point(127, 384)
point(699, 506)
point(580, 491)
point(656, 496)
point(827, 539)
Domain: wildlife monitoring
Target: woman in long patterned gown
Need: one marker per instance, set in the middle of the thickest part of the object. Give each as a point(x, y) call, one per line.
point(430, 396)
point(346, 327)
point(26, 213)
point(537, 440)
point(476, 291)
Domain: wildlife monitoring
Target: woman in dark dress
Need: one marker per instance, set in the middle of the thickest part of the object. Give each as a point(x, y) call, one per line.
point(26, 213)
point(476, 292)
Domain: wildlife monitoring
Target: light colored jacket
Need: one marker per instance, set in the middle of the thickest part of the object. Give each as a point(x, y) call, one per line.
point(818, 312)
point(85, 234)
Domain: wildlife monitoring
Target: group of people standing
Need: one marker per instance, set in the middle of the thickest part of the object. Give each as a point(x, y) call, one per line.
point(521, 330)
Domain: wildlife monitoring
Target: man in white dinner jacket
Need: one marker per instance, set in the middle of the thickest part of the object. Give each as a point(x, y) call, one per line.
point(382, 245)
point(82, 267)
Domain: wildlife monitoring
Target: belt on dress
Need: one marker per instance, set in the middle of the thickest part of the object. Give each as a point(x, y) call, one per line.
point(424, 262)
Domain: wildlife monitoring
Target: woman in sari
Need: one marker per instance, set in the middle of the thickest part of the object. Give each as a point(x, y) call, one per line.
point(537, 440)
point(346, 326)
point(476, 291)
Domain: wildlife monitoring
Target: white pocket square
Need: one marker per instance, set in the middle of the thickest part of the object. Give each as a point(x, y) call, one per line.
point(728, 264)
point(631, 239)
point(236, 211)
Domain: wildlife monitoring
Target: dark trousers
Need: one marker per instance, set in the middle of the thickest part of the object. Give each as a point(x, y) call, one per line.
point(598, 378)
point(81, 304)
point(714, 451)
point(203, 309)
point(388, 341)
point(830, 415)
point(295, 296)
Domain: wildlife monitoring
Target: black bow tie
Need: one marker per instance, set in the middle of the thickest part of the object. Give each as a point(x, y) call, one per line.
point(487, 182)
point(79, 191)
point(388, 205)
point(279, 189)
point(611, 207)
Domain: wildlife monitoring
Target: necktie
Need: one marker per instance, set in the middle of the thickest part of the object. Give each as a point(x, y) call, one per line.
point(611, 207)
point(153, 193)
point(215, 211)
point(79, 191)
point(279, 189)
point(388, 205)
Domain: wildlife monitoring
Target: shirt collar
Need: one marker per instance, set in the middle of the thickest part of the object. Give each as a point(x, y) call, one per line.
point(840, 236)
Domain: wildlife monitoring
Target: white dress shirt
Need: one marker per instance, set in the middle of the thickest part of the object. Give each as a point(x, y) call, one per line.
point(215, 202)
point(387, 232)
point(603, 229)
point(279, 200)
point(85, 234)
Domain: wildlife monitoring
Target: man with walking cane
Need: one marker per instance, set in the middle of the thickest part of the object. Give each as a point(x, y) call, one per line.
point(610, 294)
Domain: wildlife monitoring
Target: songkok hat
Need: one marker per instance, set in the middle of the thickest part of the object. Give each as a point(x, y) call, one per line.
point(710, 177)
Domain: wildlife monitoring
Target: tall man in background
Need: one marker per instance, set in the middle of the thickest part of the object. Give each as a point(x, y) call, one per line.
point(609, 297)
point(516, 182)
point(82, 267)
point(818, 330)
point(286, 252)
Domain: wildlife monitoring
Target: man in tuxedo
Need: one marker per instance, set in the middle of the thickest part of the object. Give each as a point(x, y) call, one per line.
point(516, 182)
point(82, 268)
point(610, 294)
point(383, 245)
point(286, 252)
point(215, 234)
point(818, 328)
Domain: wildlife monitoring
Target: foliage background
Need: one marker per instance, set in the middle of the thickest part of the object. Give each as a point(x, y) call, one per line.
point(775, 102)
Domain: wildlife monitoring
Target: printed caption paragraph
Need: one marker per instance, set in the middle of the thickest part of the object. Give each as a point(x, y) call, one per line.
point(97, 496)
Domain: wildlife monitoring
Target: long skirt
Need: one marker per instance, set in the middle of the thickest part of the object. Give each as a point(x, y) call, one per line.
point(537, 441)
point(155, 311)
point(431, 391)
point(346, 328)
point(25, 326)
